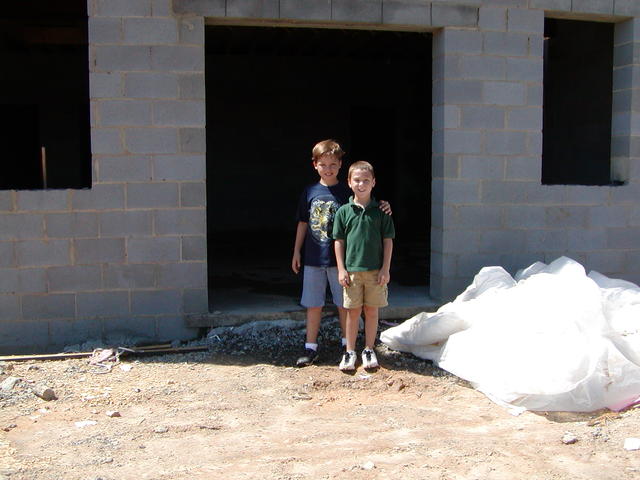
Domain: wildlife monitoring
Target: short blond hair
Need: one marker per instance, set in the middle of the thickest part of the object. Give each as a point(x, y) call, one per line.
point(327, 147)
point(361, 165)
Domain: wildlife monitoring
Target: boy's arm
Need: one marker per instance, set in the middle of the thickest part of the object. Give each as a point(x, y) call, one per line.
point(343, 275)
point(301, 233)
point(385, 206)
point(387, 250)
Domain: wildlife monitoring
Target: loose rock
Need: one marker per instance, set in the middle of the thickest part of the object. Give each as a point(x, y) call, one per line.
point(569, 438)
point(632, 444)
point(8, 383)
point(44, 392)
point(161, 430)
point(112, 413)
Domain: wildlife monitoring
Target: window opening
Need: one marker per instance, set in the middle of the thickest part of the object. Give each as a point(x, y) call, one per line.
point(578, 92)
point(44, 95)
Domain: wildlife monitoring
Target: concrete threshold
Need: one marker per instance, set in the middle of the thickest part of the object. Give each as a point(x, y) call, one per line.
point(238, 306)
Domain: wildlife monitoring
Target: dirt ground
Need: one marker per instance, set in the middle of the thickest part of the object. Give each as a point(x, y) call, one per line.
point(213, 415)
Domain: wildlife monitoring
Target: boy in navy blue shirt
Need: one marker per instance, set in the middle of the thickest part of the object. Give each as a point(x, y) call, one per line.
point(316, 209)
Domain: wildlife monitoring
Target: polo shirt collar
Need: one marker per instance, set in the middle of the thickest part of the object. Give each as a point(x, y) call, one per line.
point(373, 203)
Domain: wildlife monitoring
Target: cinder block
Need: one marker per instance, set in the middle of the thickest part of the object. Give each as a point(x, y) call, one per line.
point(504, 93)
point(305, 9)
point(10, 310)
point(105, 30)
point(469, 264)
point(129, 276)
point(503, 241)
point(581, 240)
point(7, 254)
point(129, 329)
point(17, 226)
point(623, 54)
point(6, 201)
point(460, 192)
point(624, 238)
point(121, 8)
point(207, 8)
point(31, 280)
point(191, 31)
point(103, 304)
point(587, 195)
point(36, 253)
point(193, 194)
point(567, 217)
point(177, 58)
point(150, 31)
point(23, 336)
point(482, 67)
point(180, 222)
point(485, 117)
point(492, 19)
point(553, 5)
point(506, 143)
point(105, 141)
point(101, 196)
point(152, 195)
point(162, 8)
point(151, 85)
point(536, 45)
point(462, 91)
point(482, 167)
point(105, 85)
point(609, 263)
point(627, 7)
point(194, 248)
point(153, 249)
point(609, 216)
point(179, 168)
point(500, 43)
point(74, 278)
point(623, 77)
point(462, 141)
point(406, 12)
point(99, 250)
point(479, 217)
point(151, 140)
point(505, 193)
point(626, 32)
point(524, 20)
point(122, 58)
point(525, 69)
point(195, 301)
point(71, 332)
point(525, 119)
point(124, 169)
point(174, 328)
point(179, 113)
point(41, 200)
point(183, 275)
point(523, 168)
point(368, 11)
point(69, 225)
point(156, 302)
point(253, 8)
point(443, 15)
point(191, 86)
point(61, 305)
point(460, 41)
point(525, 216)
point(125, 224)
point(192, 140)
point(124, 113)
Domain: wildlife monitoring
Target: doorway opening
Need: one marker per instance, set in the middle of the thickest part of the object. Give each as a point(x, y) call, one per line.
point(272, 93)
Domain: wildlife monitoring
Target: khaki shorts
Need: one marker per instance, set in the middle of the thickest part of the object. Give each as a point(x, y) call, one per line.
point(364, 289)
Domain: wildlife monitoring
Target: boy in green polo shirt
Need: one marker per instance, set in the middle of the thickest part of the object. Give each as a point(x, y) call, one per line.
point(363, 243)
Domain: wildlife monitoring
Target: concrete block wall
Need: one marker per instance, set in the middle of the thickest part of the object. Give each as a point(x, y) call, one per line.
point(129, 255)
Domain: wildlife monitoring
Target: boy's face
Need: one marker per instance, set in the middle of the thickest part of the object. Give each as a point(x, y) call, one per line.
point(361, 182)
point(328, 167)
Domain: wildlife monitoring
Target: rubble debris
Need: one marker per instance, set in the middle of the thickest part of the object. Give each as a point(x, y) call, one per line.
point(85, 423)
point(569, 438)
point(112, 413)
point(8, 383)
point(9, 427)
point(632, 444)
point(44, 392)
point(161, 429)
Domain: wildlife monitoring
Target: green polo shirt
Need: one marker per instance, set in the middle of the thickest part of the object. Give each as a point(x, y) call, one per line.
point(363, 230)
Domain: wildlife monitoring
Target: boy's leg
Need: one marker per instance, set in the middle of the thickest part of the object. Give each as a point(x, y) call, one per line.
point(337, 294)
point(314, 317)
point(353, 317)
point(314, 289)
point(342, 316)
point(370, 326)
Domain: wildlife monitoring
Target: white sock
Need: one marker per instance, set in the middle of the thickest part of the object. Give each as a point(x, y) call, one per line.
point(344, 342)
point(311, 346)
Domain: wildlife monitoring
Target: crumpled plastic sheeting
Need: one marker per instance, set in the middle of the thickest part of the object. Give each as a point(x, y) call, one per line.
point(550, 339)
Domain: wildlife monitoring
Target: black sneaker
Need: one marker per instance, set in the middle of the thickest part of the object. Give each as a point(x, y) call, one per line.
point(308, 357)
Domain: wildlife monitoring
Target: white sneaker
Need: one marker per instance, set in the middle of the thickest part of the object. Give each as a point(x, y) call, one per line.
point(348, 361)
point(369, 359)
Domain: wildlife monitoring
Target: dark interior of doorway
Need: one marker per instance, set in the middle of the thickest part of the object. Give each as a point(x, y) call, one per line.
point(272, 93)
point(44, 95)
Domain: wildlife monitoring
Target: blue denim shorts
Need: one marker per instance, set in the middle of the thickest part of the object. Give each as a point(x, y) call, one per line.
point(314, 286)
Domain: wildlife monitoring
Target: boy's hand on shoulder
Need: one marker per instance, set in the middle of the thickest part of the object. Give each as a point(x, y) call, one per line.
point(295, 262)
point(343, 278)
point(385, 207)
point(383, 277)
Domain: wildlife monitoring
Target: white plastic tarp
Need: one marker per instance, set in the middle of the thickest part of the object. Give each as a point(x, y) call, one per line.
point(550, 339)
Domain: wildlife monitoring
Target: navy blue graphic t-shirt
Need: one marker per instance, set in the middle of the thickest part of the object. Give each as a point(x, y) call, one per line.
point(317, 207)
